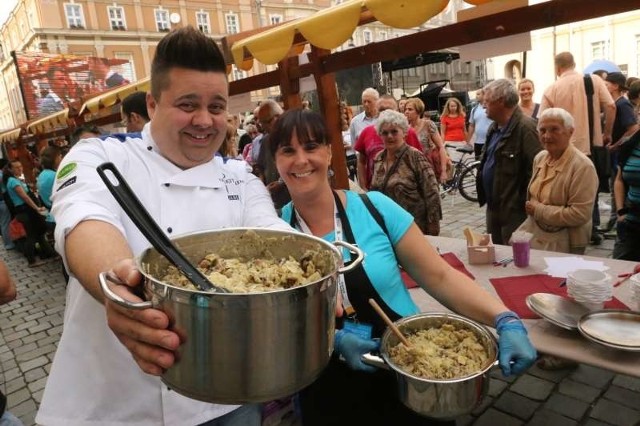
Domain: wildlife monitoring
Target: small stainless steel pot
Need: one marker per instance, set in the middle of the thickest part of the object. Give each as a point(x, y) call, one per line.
point(441, 399)
point(250, 347)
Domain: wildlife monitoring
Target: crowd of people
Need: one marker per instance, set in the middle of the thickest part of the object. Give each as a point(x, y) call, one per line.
point(537, 174)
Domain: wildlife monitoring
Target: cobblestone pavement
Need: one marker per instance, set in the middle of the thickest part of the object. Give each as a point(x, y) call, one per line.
point(31, 325)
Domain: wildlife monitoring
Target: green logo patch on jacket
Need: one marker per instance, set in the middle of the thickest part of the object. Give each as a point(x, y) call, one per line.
point(66, 171)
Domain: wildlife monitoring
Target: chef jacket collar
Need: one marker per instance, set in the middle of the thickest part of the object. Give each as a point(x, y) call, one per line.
point(209, 175)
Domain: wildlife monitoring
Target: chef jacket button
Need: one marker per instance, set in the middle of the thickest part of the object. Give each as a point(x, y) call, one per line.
point(167, 185)
point(169, 230)
point(149, 148)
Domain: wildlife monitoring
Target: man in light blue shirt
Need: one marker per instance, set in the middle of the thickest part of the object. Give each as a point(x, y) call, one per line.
point(478, 124)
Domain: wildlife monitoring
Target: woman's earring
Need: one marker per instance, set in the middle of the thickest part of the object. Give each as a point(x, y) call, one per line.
point(330, 173)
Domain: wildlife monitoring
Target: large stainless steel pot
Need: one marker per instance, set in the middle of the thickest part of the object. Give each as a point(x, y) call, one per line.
point(441, 399)
point(253, 347)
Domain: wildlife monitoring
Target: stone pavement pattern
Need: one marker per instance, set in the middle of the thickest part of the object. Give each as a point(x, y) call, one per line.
point(31, 325)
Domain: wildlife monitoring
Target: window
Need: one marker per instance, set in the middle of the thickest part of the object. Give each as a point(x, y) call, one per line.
point(382, 35)
point(74, 15)
point(162, 19)
point(367, 38)
point(202, 20)
point(275, 19)
point(599, 50)
point(116, 18)
point(232, 23)
point(237, 74)
point(127, 70)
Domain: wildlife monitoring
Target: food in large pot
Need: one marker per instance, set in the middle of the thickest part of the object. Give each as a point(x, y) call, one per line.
point(440, 398)
point(246, 347)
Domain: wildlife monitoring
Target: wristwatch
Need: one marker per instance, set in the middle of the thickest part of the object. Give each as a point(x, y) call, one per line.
point(622, 211)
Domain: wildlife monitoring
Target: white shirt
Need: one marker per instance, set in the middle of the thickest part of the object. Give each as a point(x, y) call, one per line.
point(94, 379)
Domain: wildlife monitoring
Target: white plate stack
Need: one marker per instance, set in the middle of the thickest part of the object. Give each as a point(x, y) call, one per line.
point(635, 289)
point(590, 288)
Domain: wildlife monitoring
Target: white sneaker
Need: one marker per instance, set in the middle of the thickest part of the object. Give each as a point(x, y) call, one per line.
point(603, 206)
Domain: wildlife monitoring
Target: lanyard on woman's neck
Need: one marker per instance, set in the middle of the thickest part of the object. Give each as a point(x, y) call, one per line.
point(337, 229)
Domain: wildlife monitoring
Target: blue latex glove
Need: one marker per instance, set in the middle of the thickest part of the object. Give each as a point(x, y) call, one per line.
point(352, 347)
point(516, 354)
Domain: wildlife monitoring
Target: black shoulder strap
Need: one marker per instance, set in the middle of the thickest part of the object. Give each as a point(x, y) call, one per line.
point(588, 88)
point(374, 213)
point(535, 112)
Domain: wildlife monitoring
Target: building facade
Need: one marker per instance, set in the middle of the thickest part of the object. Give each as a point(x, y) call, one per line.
point(615, 38)
point(124, 29)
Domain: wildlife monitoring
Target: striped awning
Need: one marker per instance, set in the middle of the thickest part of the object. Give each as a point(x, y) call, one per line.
point(10, 135)
point(49, 122)
point(112, 97)
point(331, 27)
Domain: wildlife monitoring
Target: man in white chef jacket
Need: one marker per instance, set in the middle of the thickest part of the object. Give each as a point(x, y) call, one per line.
point(171, 167)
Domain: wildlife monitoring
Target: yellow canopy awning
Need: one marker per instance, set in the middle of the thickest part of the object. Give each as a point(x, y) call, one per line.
point(329, 28)
point(11, 135)
point(110, 98)
point(49, 122)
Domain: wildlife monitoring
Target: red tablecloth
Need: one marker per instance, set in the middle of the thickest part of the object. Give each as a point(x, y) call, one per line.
point(514, 290)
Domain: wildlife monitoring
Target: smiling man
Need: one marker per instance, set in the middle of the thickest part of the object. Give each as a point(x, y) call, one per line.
point(101, 378)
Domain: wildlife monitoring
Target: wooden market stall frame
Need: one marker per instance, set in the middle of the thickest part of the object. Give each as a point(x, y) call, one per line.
point(323, 64)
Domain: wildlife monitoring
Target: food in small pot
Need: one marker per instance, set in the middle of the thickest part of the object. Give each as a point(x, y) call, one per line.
point(447, 351)
point(252, 275)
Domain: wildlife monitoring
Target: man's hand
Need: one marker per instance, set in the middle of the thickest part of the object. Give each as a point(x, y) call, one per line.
point(143, 332)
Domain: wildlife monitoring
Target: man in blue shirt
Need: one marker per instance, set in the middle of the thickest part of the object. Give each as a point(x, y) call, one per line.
point(506, 165)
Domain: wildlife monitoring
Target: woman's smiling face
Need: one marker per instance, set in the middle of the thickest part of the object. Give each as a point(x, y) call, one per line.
point(303, 167)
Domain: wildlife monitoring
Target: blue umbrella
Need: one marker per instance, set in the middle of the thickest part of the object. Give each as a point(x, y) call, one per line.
point(601, 64)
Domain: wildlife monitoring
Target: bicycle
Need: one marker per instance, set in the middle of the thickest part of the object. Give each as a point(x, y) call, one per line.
point(464, 176)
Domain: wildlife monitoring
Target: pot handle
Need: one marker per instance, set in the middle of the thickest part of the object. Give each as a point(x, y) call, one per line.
point(374, 360)
point(353, 249)
point(109, 294)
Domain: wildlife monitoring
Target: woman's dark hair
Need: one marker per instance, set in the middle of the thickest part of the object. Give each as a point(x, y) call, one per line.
point(298, 120)
point(48, 157)
point(187, 48)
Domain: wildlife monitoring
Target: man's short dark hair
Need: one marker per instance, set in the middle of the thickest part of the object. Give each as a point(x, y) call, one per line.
point(186, 48)
point(136, 102)
point(85, 128)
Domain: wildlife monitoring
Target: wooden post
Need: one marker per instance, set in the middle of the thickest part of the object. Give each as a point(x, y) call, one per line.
point(330, 110)
point(290, 82)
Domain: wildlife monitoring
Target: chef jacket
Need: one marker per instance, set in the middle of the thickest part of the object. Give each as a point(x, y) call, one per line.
point(94, 379)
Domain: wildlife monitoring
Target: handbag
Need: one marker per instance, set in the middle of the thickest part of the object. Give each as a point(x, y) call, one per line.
point(16, 230)
point(600, 155)
point(550, 239)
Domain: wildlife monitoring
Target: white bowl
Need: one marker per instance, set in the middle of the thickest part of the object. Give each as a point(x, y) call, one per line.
point(589, 287)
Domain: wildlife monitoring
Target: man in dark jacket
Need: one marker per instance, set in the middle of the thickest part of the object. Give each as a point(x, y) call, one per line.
point(507, 159)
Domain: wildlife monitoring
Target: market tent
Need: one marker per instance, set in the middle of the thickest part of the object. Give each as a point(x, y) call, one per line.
point(10, 135)
point(49, 122)
point(112, 97)
point(331, 27)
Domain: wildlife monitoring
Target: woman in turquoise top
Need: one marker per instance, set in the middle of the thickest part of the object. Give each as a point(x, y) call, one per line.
point(50, 159)
point(353, 392)
point(30, 215)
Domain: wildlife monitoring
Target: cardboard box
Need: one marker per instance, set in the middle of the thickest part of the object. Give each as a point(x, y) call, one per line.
point(482, 254)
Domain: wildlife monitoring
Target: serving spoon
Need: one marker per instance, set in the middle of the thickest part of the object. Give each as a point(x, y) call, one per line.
point(132, 206)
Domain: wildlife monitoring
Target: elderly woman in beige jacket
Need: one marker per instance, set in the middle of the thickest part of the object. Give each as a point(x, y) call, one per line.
point(562, 189)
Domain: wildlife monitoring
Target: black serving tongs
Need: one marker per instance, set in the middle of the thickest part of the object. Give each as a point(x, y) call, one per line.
point(150, 229)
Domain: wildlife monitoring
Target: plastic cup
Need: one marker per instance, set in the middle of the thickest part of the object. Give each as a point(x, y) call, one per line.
point(521, 253)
